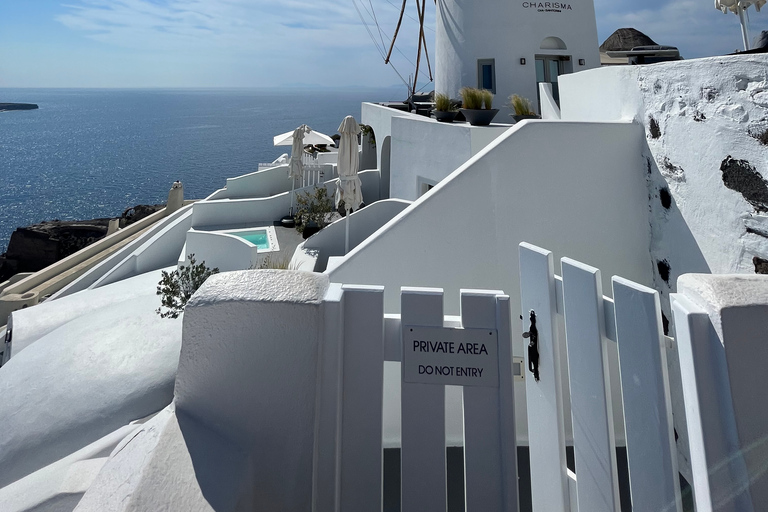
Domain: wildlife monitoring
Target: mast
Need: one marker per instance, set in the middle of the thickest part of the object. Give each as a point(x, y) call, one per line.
point(397, 29)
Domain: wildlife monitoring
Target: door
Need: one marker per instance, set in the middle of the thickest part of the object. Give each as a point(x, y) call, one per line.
point(548, 68)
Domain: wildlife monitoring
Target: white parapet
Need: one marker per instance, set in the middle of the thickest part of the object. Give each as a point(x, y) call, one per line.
point(722, 321)
point(248, 371)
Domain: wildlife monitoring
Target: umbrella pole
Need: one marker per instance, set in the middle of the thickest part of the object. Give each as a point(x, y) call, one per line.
point(293, 186)
point(744, 29)
point(346, 236)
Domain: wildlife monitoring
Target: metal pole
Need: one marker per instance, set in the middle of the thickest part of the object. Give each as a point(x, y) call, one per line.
point(346, 236)
point(744, 28)
point(293, 186)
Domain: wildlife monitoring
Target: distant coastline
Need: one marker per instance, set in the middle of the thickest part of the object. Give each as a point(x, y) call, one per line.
point(4, 107)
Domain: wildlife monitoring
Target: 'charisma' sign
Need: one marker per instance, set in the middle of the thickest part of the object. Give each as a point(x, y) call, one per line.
point(444, 355)
point(548, 6)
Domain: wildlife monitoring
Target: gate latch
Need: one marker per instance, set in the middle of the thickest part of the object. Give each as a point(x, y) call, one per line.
point(533, 347)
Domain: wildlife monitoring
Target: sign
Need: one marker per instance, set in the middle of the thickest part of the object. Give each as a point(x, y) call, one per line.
point(445, 355)
point(548, 6)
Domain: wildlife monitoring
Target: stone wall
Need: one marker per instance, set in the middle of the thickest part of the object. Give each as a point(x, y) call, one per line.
point(706, 153)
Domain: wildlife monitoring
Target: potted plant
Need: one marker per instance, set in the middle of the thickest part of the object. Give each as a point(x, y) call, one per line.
point(444, 109)
point(478, 106)
point(522, 107)
point(313, 211)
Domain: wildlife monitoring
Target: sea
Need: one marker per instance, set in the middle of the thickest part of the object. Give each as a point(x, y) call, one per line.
point(92, 153)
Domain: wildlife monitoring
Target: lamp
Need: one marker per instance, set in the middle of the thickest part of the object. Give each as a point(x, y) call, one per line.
point(522, 61)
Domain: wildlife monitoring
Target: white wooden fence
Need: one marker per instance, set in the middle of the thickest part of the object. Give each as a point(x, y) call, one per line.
point(348, 455)
point(315, 173)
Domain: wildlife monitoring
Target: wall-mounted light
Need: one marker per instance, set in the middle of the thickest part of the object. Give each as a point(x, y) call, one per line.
point(581, 62)
point(522, 61)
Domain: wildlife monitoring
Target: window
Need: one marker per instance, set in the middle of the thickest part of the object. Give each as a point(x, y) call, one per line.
point(486, 74)
point(425, 185)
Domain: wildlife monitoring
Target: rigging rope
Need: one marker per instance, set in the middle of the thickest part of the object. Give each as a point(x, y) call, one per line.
point(377, 23)
point(382, 49)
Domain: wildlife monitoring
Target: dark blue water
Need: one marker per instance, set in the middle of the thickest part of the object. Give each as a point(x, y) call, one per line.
point(89, 153)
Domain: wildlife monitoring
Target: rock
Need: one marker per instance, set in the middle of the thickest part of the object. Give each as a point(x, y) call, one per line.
point(138, 212)
point(35, 247)
point(17, 106)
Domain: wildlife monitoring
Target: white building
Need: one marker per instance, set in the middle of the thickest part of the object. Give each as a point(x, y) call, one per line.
point(99, 414)
point(509, 47)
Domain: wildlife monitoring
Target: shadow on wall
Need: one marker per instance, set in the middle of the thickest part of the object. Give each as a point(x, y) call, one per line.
point(368, 149)
point(223, 471)
point(674, 250)
point(386, 147)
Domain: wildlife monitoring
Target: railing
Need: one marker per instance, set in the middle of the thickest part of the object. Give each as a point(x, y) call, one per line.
point(348, 458)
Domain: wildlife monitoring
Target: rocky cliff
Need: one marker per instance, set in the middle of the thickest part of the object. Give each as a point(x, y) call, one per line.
point(33, 248)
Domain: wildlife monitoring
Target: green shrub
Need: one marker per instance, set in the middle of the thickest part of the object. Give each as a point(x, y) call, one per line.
point(521, 106)
point(487, 98)
point(178, 286)
point(313, 207)
point(367, 130)
point(472, 98)
point(443, 103)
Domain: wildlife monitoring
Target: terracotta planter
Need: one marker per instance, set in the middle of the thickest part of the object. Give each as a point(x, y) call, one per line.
point(481, 117)
point(445, 116)
point(518, 118)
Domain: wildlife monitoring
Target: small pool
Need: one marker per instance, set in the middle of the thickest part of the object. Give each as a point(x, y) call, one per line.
point(264, 239)
point(258, 238)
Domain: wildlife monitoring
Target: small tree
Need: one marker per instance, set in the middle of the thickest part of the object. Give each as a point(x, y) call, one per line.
point(313, 207)
point(366, 130)
point(178, 286)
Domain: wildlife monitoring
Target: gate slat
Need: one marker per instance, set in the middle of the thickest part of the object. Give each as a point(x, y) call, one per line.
point(363, 382)
point(327, 423)
point(593, 436)
point(422, 454)
point(546, 431)
point(651, 450)
point(487, 436)
point(718, 468)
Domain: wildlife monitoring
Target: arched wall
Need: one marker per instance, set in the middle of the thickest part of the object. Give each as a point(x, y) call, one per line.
point(384, 163)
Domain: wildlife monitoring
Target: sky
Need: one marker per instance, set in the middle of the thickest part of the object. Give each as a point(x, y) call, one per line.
point(267, 43)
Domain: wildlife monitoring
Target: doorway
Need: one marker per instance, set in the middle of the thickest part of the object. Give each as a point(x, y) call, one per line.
point(548, 69)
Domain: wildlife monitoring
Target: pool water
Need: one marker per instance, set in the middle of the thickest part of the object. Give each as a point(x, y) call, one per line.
point(258, 238)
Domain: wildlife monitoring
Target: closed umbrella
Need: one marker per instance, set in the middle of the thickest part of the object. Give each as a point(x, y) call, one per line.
point(295, 166)
point(349, 188)
point(739, 7)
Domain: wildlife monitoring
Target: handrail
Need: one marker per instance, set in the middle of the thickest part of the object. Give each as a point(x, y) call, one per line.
point(82, 255)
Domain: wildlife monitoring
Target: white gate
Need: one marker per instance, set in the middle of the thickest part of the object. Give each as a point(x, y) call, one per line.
point(359, 338)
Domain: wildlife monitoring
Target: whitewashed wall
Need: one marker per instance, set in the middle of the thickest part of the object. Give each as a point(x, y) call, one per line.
point(219, 250)
point(423, 148)
point(588, 200)
point(468, 30)
point(465, 231)
point(703, 111)
point(179, 220)
point(103, 358)
point(152, 253)
point(362, 223)
point(264, 183)
point(244, 212)
point(248, 372)
point(379, 118)
point(229, 212)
